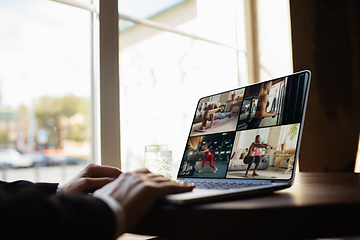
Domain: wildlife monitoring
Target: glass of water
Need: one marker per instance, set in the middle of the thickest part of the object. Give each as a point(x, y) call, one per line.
point(158, 159)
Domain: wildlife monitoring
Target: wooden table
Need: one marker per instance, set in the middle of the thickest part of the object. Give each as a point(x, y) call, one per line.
point(317, 205)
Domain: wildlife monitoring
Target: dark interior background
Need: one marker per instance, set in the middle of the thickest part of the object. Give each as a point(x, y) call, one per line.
point(326, 40)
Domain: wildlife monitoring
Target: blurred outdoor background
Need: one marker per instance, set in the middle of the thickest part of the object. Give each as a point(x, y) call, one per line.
point(45, 90)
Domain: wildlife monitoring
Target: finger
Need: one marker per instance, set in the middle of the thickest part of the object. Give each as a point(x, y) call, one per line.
point(159, 178)
point(142, 170)
point(174, 187)
point(151, 175)
point(92, 184)
point(98, 171)
point(169, 184)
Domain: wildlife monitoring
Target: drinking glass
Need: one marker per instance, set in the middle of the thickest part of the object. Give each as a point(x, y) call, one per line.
point(158, 159)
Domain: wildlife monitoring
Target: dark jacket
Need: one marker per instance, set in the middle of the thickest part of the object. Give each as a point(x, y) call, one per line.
point(33, 211)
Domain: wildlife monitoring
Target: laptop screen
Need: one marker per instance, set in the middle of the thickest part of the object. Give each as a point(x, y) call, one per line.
point(251, 132)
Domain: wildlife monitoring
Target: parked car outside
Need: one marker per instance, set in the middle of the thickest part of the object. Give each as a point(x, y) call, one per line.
point(14, 159)
point(40, 159)
point(65, 159)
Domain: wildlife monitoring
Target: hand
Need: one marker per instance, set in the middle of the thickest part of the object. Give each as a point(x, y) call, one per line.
point(273, 112)
point(91, 178)
point(138, 191)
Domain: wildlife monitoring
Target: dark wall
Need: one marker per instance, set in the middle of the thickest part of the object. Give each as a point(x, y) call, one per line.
point(326, 40)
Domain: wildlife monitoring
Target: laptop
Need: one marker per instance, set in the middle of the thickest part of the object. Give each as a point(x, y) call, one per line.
point(245, 141)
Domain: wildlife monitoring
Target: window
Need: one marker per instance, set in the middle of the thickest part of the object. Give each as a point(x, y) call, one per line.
point(45, 90)
point(47, 58)
point(163, 74)
point(189, 49)
point(274, 36)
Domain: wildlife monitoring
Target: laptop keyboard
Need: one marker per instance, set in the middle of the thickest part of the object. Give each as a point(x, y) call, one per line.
point(224, 185)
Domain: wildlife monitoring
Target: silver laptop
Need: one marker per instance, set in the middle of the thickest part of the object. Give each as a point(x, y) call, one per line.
point(245, 141)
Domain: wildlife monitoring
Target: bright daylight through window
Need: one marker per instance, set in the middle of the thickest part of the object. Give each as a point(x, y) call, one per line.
point(45, 90)
point(184, 50)
point(165, 70)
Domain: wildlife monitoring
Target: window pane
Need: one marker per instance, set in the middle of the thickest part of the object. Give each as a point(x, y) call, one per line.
point(45, 91)
point(163, 75)
point(274, 38)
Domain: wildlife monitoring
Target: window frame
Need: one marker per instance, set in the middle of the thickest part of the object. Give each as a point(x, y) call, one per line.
point(105, 80)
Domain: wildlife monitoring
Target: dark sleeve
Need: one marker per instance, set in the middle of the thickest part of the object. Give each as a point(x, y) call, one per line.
point(19, 186)
point(33, 211)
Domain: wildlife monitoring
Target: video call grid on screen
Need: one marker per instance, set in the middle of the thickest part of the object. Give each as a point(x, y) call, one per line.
point(249, 132)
